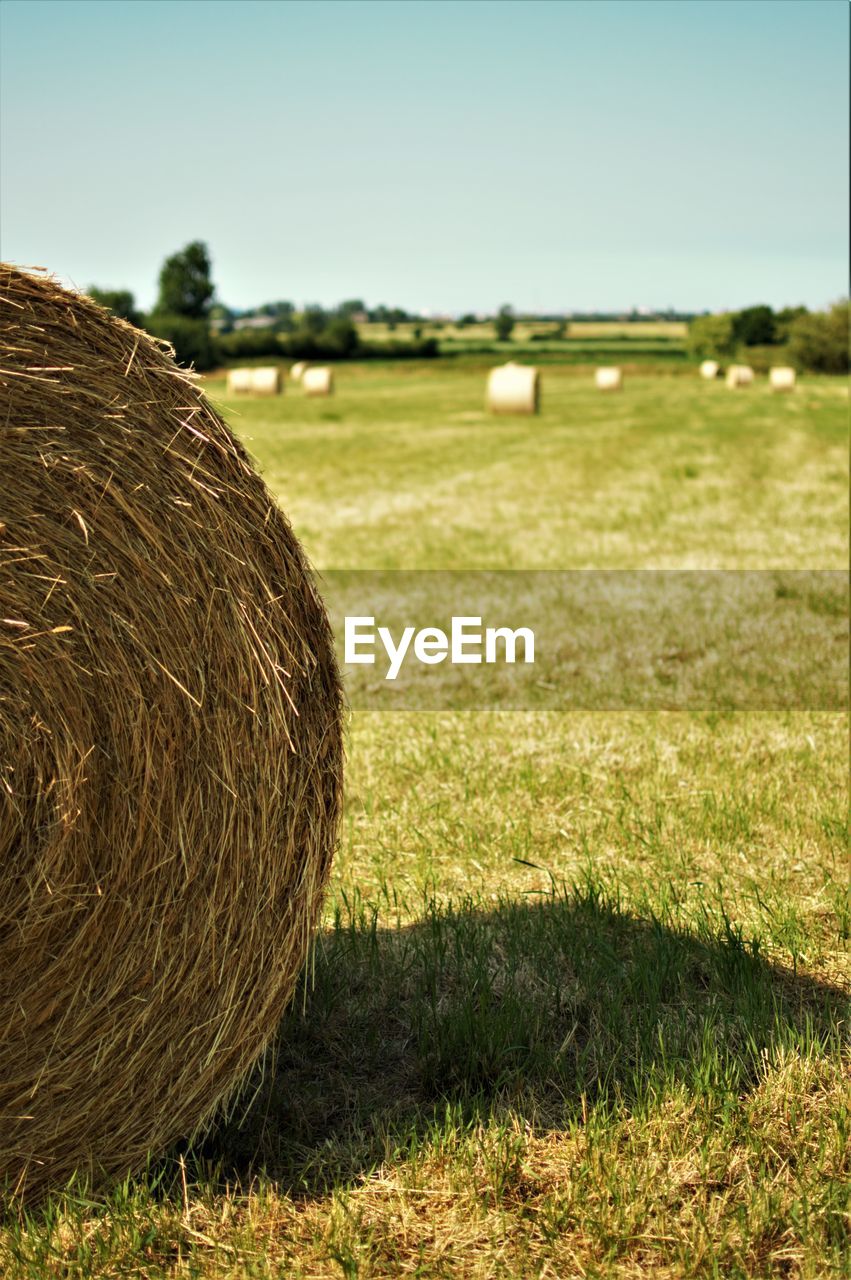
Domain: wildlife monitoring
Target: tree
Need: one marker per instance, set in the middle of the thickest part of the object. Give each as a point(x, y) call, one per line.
point(313, 319)
point(712, 337)
point(820, 341)
point(755, 327)
point(783, 321)
point(341, 335)
point(119, 301)
point(186, 286)
point(504, 323)
point(351, 307)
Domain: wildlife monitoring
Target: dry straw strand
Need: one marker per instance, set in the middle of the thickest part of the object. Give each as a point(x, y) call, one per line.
point(170, 747)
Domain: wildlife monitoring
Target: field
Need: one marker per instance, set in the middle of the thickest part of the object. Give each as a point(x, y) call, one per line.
point(647, 341)
point(579, 1005)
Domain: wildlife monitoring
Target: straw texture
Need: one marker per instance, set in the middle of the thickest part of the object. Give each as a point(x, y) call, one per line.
point(170, 747)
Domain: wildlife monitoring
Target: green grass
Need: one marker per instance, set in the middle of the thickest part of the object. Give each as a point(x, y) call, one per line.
point(579, 1005)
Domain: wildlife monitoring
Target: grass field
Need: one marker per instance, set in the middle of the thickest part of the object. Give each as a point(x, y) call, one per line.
point(649, 341)
point(579, 1005)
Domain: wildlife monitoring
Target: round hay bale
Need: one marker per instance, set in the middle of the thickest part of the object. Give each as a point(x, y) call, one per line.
point(608, 379)
point(297, 370)
point(170, 747)
point(739, 375)
point(782, 378)
point(709, 369)
point(318, 381)
point(263, 380)
point(239, 382)
point(267, 381)
point(513, 388)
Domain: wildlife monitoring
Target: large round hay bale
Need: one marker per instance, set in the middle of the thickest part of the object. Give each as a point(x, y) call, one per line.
point(608, 378)
point(513, 388)
point(297, 370)
point(709, 369)
point(170, 747)
point(318, 380)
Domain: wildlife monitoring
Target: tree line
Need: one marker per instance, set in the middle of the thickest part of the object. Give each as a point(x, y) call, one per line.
point(203, 332)
point(814, 340)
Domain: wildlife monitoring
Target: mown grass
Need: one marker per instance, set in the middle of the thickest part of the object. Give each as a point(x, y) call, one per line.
point(579, 1006)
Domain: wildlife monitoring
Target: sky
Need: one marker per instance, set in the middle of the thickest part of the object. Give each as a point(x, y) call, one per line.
point(443, 155)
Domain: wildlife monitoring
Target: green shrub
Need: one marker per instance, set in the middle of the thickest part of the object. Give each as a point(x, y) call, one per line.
point(191, 338)
point(819, 342)
point(755, 327)
point(249, 344)
point(503, 325)
point(119, 301)
point(712, 337)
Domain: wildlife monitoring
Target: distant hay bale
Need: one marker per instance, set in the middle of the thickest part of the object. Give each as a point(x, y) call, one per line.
point(265, 380)
point(239, 382)
point(170, 747)
point(513, 388)
point(709, 369)
point(297, 370)
point(608, 379)
point(739, 375)
point(782, 378)
point(318, 381)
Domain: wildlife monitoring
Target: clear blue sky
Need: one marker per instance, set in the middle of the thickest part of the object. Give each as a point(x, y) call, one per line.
point(441, 155)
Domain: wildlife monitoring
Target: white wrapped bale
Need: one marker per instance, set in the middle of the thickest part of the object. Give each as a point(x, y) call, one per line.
point(739, 375)
point(709, 369)
point(318, 381)
point(262, 381)
point(267, 381)
point(298, 369)
point(608, 379)
point(513, 388)
point(239, 381)
point(782, 378)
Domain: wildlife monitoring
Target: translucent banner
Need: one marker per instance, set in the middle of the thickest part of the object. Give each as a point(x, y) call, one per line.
point(680, 639)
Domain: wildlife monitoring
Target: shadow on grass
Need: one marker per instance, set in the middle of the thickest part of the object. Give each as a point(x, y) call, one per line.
point(539, 1008)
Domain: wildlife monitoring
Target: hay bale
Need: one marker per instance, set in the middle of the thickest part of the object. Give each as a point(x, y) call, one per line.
point(264, 380)
point(239, 382)
point(739, 375)
point(782, 378)
point(513, 388)
point(297, 370)
point(170, 747)
point(608, 379)
point(318, 381)
point(267, 381)
point(710, 369)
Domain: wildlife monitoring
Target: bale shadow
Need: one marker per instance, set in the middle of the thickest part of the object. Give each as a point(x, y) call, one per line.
point(537, 1007)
